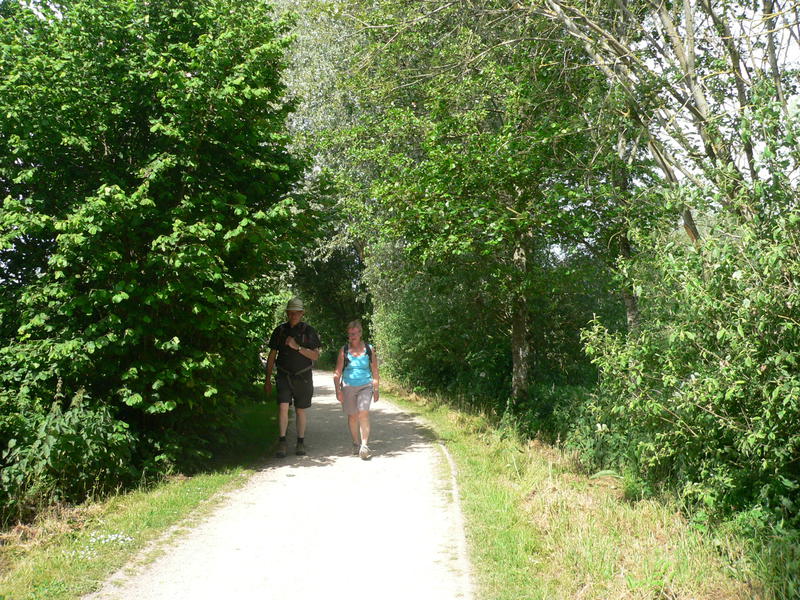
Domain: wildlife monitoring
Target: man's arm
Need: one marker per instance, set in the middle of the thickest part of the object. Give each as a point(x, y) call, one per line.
point(310, 353)
point(270, 367)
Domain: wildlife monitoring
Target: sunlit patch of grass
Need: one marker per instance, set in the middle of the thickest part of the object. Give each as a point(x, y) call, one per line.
point(539, 529)
point(65, 564)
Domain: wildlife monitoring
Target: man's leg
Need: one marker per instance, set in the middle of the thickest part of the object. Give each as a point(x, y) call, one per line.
point(302, 391)
point(284, 390)
point(300, 449)
point(301, 422)
point(283, 418)
point(283, 424)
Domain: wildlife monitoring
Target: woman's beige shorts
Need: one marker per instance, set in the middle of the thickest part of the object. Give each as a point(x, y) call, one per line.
point(356, 398)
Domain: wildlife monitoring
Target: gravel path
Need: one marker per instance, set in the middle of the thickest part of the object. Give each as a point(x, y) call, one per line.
point(325, 526)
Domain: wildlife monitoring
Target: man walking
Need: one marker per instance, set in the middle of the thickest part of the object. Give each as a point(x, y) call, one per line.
point(293, 346)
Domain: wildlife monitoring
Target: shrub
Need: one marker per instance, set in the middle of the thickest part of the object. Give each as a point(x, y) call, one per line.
point(549, 411)
point(705, 397)
point(67, 455)
point(145, 182)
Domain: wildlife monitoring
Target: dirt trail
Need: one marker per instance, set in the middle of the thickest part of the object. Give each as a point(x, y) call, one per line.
point(324, 526)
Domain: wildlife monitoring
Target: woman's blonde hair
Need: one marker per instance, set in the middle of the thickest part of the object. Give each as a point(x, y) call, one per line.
point(353, 324)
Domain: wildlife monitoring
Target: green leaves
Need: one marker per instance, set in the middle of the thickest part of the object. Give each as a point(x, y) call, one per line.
point(457, 148)
point(145, 175)
point(66, 454)
point(717, 412)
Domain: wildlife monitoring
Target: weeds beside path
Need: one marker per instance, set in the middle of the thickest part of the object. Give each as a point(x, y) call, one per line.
point(538, 529)
point(66, 552)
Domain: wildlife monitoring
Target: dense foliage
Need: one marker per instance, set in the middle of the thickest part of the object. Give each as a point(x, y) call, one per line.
point(144, 170)
point(708, 395)
point(497, 189)
point(705, 398)
point(449, 167)
point(702, 397)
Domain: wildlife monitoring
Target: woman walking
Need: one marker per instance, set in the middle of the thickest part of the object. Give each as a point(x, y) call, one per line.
point(356, 383)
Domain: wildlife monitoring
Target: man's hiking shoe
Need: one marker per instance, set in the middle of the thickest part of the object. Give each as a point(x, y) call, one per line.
point(281, 451)
point(356, 447)
point(364, 452)
point(300, 449)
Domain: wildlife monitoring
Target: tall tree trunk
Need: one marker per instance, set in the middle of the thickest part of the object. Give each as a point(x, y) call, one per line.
point(620, 176)
point(520, 344)
point(628, 295)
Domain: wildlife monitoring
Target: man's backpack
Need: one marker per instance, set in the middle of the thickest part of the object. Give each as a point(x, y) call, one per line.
point(367, 347)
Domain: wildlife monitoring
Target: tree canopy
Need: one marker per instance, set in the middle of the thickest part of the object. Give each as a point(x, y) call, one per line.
point(515, 168)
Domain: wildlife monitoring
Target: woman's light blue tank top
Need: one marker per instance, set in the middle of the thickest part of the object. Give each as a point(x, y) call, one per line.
point(357, 371)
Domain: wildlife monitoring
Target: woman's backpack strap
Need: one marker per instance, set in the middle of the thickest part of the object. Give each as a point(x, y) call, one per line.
point(367, 348)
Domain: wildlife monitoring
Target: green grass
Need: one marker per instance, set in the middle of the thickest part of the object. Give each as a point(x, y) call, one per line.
point(539, 529)
point(68, 553)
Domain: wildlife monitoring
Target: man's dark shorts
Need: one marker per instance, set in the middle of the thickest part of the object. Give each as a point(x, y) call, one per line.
point(298, 388)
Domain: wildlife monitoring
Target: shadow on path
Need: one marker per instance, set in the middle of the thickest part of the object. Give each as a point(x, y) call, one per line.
point(393, 432)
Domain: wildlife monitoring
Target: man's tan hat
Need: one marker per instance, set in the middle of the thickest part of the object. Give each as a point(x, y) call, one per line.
point(294, 304)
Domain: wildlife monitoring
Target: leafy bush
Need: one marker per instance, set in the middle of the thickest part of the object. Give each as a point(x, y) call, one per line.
point(549, 411)
point(445, 327)
point(705, 397)
point(66, 456)
point(432, 330)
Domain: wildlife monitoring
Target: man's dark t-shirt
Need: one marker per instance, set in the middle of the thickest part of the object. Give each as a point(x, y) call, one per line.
point(288, 359)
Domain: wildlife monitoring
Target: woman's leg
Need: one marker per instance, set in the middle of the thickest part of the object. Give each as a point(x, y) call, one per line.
point(363, 421)
point(352, 422)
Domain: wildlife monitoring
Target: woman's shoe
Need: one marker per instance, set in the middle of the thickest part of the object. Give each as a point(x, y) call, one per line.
point(364, 452)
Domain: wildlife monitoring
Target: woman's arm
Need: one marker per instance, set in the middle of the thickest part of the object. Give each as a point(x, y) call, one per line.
point(376, 380)
point(337, 375)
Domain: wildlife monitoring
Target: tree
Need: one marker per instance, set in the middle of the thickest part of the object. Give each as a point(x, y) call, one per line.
point(144, 163)
point(693, 74)
point(700, 397)
point(328, 275)
point(480, 141)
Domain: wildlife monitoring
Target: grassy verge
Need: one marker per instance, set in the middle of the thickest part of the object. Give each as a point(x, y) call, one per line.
point(67, 553)
point(538, 529)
